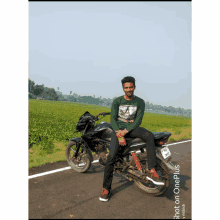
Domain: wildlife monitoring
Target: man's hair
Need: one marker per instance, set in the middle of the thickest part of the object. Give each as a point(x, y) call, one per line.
point(128, 79)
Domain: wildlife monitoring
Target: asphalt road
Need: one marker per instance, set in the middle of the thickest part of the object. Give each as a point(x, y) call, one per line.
point(71, 195)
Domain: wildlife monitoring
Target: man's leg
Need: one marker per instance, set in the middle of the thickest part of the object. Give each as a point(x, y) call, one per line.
point(147, 137)
point(111, 159)
point(109, 168)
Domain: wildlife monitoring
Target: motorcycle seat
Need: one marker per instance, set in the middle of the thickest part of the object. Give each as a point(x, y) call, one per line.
point(158, 136)
point(161, 135)
point(134, 140)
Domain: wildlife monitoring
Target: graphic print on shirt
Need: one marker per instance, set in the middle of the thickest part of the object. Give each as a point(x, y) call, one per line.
point(127, 111)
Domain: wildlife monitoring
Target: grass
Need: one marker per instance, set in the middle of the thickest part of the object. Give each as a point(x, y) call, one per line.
point(180, 127)
point(52, 123)
point(36, 157)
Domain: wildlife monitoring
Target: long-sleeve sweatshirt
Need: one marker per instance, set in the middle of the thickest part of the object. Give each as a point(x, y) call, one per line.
point(127, 110)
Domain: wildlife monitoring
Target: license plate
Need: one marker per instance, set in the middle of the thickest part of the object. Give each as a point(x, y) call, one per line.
point(165, 152)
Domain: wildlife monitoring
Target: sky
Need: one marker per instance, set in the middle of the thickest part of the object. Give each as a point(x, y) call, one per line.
point(88, 47)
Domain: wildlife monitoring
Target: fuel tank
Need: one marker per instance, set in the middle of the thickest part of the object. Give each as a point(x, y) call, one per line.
point(104, 130)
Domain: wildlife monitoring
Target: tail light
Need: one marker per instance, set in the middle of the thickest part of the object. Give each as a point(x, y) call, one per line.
point(163, 142)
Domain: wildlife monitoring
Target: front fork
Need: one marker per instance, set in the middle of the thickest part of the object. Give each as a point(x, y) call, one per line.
point(77, 150)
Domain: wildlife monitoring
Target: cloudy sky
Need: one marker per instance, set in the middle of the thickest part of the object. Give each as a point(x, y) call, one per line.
point(88, 47)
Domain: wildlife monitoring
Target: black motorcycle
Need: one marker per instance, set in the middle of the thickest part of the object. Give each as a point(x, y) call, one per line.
point(131, 164)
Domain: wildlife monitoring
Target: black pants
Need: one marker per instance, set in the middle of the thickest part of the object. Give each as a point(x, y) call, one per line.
point(138, 132)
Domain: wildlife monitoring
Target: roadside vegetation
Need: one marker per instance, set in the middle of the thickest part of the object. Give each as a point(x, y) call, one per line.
point(52, 123)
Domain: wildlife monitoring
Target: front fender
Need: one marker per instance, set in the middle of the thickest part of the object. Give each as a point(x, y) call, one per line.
point(85, 146)
point(77, 139)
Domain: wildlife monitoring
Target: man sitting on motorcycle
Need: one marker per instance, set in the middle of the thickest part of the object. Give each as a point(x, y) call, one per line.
point(126, 115)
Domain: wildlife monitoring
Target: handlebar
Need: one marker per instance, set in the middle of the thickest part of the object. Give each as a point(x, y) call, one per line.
point(103, 113)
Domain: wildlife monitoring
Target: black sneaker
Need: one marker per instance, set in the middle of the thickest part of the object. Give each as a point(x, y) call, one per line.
point(104, 195)
point(154, 177)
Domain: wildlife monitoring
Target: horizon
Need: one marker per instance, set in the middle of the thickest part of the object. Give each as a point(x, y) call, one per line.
point(101, 97)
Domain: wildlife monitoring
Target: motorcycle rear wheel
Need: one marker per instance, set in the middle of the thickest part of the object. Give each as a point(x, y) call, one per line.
point(152, 189)
point(80, 164)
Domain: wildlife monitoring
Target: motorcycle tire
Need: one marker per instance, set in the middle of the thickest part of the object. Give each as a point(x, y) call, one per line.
point(82, 163)
point(151, 189)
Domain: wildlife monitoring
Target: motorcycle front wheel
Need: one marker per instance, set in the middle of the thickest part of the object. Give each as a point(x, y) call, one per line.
point(80, 164)
point(151, 189)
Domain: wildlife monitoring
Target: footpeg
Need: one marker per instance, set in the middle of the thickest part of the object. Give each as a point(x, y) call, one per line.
point(135, 172)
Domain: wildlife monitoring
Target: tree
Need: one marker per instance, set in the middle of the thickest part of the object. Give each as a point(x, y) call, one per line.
point(31, 85)
point(147, 106)
point(38, 90)
point(53, 95)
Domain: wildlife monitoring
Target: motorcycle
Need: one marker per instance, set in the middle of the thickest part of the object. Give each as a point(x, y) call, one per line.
point(131, 164)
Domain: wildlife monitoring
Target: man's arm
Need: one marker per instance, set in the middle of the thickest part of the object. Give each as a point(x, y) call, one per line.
point(114, 113)
point(139, 117)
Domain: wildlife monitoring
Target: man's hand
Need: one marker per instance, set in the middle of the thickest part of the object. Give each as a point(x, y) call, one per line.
point(121, 133)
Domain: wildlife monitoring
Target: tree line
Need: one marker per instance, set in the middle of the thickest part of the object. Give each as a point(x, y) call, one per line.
point(35, 91)
point(50, 94)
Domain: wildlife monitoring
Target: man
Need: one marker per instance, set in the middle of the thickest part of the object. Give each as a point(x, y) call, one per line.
point(126, 115)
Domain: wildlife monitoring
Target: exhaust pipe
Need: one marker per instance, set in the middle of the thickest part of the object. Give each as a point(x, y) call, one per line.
point(171, 166)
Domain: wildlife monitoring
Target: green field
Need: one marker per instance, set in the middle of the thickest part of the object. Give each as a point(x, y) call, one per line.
point(52, 123)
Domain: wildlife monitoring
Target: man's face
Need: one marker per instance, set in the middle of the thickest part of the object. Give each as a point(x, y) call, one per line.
point(128, 89)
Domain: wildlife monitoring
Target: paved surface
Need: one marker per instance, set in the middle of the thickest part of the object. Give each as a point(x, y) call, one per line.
point(72, 195)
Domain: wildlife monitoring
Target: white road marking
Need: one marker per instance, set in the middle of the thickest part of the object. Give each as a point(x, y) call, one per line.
point(49, 172)
point(95, 161)
point(54, 171)
point(177, 143)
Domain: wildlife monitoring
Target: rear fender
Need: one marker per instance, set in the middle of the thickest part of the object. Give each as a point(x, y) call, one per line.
point(83, 144)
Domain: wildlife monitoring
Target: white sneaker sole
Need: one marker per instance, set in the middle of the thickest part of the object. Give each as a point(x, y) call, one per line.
point(156, 183)
point(104, 200)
